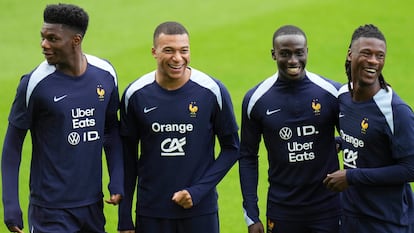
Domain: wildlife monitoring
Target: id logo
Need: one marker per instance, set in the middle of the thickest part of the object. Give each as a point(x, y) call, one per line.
point(286, 133)
point(75, 138)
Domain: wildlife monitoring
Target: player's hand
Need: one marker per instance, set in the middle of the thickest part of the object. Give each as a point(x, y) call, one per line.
point(15, 229)
point(256, 228)
point(183, 198)
point(114, 200)
point(336, 181)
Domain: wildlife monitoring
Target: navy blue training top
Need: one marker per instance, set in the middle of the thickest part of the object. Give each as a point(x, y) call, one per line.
point(378, 144)
point(297, 121)
point(69, 119)
point(176, 131)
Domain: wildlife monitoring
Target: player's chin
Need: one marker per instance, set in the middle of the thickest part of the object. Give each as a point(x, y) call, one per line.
point(51, 61)
point(176, 74)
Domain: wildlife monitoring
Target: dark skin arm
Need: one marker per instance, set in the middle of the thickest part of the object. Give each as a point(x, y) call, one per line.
point(336, 181)
point(114, 200)
point(15, 229)
point(256, 228)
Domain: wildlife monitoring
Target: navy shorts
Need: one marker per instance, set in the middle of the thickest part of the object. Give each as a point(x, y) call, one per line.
point(328, 225)
point(365, 225)
point(86, 219)
point(201, 224)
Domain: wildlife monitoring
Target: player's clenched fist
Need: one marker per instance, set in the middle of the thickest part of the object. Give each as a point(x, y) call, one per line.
point(183, 198)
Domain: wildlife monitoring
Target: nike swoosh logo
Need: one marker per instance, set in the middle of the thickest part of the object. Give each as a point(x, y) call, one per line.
point(268, 112)
point(57, 99)
point(147, 110)
point(341, 115)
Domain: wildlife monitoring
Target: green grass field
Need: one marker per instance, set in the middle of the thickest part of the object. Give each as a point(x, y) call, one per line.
point(230, 40)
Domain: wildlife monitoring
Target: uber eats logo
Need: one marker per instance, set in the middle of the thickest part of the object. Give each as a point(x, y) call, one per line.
point(297, 151)
point(82, 119)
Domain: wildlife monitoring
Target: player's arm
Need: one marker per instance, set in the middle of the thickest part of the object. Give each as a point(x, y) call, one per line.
point(225, 127)
point(249, 166)
point(402, 147)
point(113, 150)
point(114, 158)
point(402, 143)
point(228, 155)
point(125, 220)
point(130, 157)
point(10, 164)
point(400, 173)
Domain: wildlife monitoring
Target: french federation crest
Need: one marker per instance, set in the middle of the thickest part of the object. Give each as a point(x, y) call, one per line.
point(364, 125)
point(316, 106)
point(101, 92)
point(193, 108)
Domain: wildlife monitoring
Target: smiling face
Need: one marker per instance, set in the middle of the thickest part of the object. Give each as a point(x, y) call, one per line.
point(172, 53)
point(367, 57)
point(291, 54)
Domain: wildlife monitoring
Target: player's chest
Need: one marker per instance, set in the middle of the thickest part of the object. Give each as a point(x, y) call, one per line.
point(364, 124)
point(183, 108)
point(289, 108)
point(77, 99)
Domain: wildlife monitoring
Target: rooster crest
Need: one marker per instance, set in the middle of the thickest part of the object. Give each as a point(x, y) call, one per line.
point(100, 91)
point(364, 124)
point(192, 108)
point(316, 106)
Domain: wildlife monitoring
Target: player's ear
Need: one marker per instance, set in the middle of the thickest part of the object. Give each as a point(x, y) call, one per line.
point(77, 40)
point(348, 56)
point(272, 51)
point(154, 52)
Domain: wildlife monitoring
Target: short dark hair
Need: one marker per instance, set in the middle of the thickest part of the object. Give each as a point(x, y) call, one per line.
point(367, 31)
point(68, 15)
point(288, 30)
point(169, 28)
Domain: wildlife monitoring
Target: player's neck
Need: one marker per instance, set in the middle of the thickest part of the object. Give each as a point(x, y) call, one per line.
point(364, 92)
point(75, 66)
point(172, 83)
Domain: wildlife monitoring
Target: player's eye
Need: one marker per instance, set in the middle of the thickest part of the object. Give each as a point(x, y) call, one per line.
point(284, 53)
point(168, 51)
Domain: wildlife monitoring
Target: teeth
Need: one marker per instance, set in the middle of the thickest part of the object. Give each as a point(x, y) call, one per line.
point(293, 70)
point(371, 70)
point(175, 67)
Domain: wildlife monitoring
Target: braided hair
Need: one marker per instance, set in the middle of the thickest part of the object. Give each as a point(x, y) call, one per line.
point(370, 31)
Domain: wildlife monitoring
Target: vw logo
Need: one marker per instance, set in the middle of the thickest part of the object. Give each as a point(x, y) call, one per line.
point(285, 133)
point(74, 138)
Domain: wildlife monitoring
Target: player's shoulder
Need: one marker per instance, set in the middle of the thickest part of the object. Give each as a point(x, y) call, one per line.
point(42, 70)
point(38, 74)
point(213, 85)
point(325, 83)
point(343, 89)
point(390, 96)
point(140, 83)
point(205, 80)
point(99, 62)
point(102, 64)
point(253, 95)
point(258, 90)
